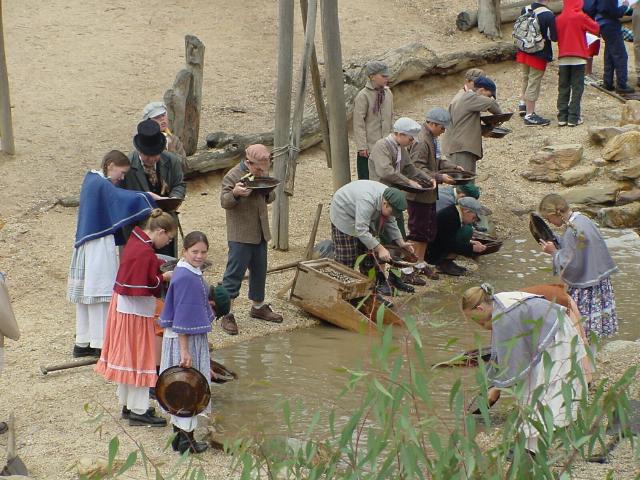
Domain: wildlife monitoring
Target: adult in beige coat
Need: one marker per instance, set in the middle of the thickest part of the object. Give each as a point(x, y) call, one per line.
point(465, 133)
point(247, 235)
point(8, 327)
point(372, 114)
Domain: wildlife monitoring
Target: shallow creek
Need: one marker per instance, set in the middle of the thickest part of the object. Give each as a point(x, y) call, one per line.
point(302, 366)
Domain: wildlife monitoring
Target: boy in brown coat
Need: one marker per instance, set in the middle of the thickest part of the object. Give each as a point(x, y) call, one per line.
point(247, 235)
point(372, 114)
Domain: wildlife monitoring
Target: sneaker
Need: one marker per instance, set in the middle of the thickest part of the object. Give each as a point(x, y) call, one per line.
point(535, 120)
point(575, 124)
point(625, 89)
point(265, 313)
point(562, 123)
point(148, 418)
point(87, 351)
point(413, 279)
point(522, 109)
point(228, 324)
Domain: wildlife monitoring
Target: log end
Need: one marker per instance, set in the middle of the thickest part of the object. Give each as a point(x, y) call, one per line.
point(463, 21)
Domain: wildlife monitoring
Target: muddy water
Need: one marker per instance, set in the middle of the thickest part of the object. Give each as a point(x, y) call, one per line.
point(302, 366)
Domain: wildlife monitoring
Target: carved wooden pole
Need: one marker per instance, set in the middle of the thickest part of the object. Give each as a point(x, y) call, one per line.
point(194, 57)
point(340, 169)
point(280, 215)
point(6, 126)
point(298, 110)
point(317, 91)
point(489, 21)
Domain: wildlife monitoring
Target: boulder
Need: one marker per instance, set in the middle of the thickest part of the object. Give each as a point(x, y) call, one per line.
point(622, 147)
point(626, 172)
point(601, 135)
point(604, 193)
point(630, 113)
point(628, 196)
point(625, 216)
point(599, 162)
point(548, 163)
point(578, 175)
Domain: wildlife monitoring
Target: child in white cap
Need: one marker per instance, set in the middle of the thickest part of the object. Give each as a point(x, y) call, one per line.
point(157, 111)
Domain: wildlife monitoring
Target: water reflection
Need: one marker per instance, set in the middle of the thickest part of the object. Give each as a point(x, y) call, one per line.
point(303, 366)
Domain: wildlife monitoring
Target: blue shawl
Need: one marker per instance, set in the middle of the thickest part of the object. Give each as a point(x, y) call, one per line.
point(105, 209)
point(186, 306)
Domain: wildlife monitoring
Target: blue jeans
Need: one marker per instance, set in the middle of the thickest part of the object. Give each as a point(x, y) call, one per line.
point(243, 257)
point(615, 55)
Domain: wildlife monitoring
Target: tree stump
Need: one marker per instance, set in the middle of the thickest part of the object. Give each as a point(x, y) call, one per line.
point(489, 18)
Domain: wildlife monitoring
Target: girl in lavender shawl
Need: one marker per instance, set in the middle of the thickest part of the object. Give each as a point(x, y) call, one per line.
point(524, 329)
point(584, 264)
point(186, 318)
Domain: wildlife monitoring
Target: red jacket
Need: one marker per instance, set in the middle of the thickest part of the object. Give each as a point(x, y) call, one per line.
point(572, 25)
point(139, 273)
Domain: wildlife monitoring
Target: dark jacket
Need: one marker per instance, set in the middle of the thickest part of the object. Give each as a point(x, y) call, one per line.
point(449, 224)
point(169, 168)
point(608, 12)
point(572, 24)
point(547, 21)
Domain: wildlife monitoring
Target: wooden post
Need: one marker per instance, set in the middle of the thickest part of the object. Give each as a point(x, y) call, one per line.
point(194, 57)
point(341, 171)
point(6, 126)
point(176, 101)
point(298, 110)
point(317, 91)
point(280, 215)
point(489, 21)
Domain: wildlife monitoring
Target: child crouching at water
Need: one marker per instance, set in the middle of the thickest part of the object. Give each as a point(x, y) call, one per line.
point(186, 318)
point(129, 352)
point(584, 264)
point(524, 329)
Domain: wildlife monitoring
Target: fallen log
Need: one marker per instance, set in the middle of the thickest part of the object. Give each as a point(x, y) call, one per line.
point(468, 19)
point(407, 63)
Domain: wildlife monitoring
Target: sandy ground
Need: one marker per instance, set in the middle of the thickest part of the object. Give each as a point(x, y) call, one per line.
point(80, 74)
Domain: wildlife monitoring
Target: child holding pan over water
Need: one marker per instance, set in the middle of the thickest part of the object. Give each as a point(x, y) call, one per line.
point(128, 355)
point(186, 318)
point(584, 264)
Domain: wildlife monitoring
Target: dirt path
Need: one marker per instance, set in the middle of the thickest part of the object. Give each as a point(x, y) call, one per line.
point(81, 71)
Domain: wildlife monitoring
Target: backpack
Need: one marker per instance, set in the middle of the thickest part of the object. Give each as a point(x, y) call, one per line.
point(526, 31)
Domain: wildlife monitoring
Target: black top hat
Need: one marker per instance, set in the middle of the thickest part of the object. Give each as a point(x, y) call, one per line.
point(149, 140)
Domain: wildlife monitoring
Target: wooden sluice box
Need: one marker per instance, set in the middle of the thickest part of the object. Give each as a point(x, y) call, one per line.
point(325, 289)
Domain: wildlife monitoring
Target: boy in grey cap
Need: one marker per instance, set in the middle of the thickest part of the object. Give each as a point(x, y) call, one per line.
point(157, 111)
point(422, 206)
point(372, 114)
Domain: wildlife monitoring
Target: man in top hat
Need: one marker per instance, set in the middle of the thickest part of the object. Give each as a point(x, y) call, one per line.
point(454, 234)
point(372, 114)
point(157, 111)
point(464, 138)
point(422, 206)
point(361, 211)
point(155, 170)
point(247, 235)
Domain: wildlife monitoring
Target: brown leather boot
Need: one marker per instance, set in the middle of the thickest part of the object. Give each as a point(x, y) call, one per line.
point(265, 313)
point(229, 325)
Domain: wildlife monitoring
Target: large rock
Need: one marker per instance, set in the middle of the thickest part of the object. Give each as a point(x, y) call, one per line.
point(630, 171)
point(630, 113)
point(578, 175)
point(604, 193)
point(622, 147)
point(548, 163)
point(601, 135)
point(628, 196)
point(625, 216)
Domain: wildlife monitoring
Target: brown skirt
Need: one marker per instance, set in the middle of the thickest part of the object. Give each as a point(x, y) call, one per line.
point(423, 224)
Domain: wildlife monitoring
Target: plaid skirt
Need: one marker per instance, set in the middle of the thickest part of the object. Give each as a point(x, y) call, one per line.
point(597, 306)
point(346, 248)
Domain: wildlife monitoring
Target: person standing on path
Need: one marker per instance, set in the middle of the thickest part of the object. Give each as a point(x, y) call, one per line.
point(535, 64)
point(247, 235)
point(372, 114)
point(572, 25)
point(157, 111)
point(465, 134)
point(609, 13)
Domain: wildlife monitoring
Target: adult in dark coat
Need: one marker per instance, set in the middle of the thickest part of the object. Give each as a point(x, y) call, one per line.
point(453, 236)
point(155, 170)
